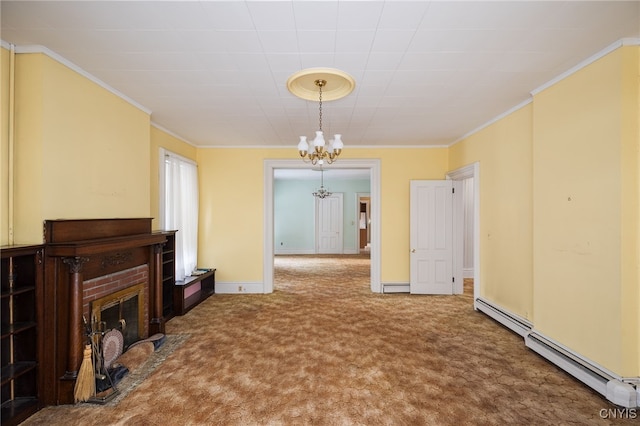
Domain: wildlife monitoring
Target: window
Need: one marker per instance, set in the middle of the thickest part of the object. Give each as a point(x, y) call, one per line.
point(179, 208)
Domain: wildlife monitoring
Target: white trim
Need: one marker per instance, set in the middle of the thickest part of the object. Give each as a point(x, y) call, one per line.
point(53, 55)
point(168, 153)
point(620, 391)
point(493, 120)
point(603, 381)
point(350, 147)
point(388, 288)
point(467, 272)
point(169, 132)
point(510, 320)
point(473, 171)
point(292, 252)
point(591, 59)
point(268, 249)
point(232, 287)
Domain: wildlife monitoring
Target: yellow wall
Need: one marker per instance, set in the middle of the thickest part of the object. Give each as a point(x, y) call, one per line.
point(569, 266)
point(4, 146)
point(585, 178)
point(81, 151)
point(162, 139)
point(503, 150)
point(232, 204)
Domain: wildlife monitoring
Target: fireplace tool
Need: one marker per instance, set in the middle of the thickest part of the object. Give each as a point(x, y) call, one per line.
point(102, 378)
point(85, 386)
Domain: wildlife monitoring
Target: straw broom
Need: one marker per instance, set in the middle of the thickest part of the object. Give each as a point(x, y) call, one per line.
point(86, 383)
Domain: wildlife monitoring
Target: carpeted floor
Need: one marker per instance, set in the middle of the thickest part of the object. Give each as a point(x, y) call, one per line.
point(323, 350)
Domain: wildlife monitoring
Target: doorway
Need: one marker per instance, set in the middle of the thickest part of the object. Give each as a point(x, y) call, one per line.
point(471, 174)
point(363, 219)
point(373, 167)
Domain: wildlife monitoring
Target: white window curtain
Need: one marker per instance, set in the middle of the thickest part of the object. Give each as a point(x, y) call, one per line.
point(181, 210)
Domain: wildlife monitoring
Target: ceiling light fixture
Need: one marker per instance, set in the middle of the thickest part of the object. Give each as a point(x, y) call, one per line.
point(333, 84)
point(321, 193)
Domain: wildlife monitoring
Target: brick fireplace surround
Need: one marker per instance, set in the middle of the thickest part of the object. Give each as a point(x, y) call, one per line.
point(86, 259)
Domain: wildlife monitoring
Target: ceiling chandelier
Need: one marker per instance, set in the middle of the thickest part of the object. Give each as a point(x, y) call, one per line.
point(333, 84)
point(319, 152)
point(321, 193)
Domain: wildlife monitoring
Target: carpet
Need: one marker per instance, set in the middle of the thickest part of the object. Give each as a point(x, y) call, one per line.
point(323, 350)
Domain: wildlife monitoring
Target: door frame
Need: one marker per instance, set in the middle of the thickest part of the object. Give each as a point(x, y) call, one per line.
point(472, 171)
point(374, 181)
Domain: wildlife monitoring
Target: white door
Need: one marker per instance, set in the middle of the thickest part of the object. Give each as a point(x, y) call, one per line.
point(432, 237)
point(329, 225)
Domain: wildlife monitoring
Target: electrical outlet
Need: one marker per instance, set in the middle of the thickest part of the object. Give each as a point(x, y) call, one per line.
point(240, 290)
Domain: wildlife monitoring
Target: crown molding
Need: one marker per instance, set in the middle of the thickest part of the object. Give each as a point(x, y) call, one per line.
point(169, 132)
point(56, 57)
point(591, 59)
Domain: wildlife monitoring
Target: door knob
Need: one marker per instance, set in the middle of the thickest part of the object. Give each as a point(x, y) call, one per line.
point(413, 250)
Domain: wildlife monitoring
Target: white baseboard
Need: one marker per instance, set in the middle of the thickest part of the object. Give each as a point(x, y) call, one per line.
point(467, 272)
point(510, 320)
point(285, 252)
point(395, 288)
point(588, 372)
point(624, 392)
point(239, 288)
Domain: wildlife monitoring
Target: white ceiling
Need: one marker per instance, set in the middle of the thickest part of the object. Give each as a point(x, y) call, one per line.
point(427, 73)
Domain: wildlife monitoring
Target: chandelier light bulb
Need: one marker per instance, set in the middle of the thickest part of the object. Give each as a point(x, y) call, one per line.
point(318, 142)
point(303, 146)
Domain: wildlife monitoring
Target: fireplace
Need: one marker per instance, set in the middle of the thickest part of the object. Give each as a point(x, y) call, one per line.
point(119, 294)
point(123, 310)
point(100, 270)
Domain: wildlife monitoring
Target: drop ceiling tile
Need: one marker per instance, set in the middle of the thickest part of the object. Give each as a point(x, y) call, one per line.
point(316, 41)
point(272, 15)
point(279, 41)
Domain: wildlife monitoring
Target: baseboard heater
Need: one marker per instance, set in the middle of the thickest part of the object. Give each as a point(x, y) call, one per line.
point(396, 288)
point(509, 320)
point(613, 388)
point(619, 391)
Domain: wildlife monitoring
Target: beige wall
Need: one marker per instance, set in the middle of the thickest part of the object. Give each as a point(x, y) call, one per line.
point(503, 151)
point(81, 151)
point(233, 213)
point(585, 217)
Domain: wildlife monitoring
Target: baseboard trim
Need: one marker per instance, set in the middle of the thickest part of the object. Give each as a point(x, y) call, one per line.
point(512, 321)
point(286, 252)
point(396, 288)
point(596, 377)
point(239, 288)
point(624, 392)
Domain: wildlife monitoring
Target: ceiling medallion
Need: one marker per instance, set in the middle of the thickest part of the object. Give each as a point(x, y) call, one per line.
point(323, 84)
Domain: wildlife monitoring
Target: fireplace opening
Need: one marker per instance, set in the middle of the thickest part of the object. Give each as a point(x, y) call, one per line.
point(122, 310)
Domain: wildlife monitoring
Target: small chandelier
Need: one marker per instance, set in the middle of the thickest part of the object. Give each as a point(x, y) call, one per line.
point(321, 193)
point(319, 152)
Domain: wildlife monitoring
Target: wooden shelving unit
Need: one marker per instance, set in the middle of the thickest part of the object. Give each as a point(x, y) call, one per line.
point(193, 290)
point(21, 287)
point(168, 274)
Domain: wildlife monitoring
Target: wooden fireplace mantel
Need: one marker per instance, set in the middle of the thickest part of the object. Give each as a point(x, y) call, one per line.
point(78, 250)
